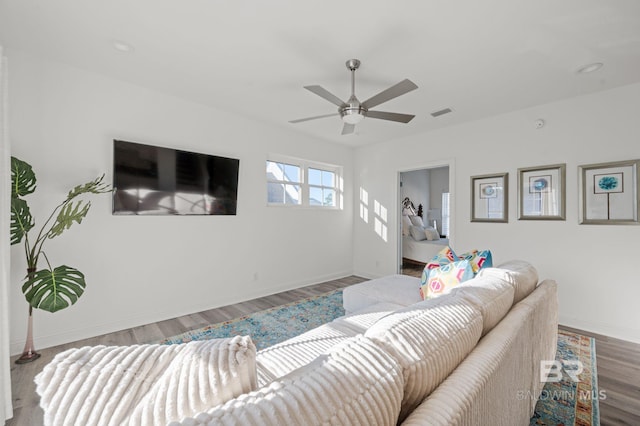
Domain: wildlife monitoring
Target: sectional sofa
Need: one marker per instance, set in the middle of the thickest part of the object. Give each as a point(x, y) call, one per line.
point(469, 357)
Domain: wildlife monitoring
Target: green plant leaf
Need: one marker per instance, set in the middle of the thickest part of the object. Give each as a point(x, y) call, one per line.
point(96, 186)
point(21, 220)
point(23, 178)
point(71, 212)
point(54, 290)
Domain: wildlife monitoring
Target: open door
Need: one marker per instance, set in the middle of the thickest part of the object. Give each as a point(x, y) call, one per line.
point(424, 207)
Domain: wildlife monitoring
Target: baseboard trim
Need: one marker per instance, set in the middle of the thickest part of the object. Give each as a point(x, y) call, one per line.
point(70, 336)
point(622, 333)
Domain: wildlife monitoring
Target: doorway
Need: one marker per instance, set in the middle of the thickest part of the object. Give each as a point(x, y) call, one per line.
point(425, 215)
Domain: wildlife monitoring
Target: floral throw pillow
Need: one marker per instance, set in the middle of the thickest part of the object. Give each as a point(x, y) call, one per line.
point(443, 279)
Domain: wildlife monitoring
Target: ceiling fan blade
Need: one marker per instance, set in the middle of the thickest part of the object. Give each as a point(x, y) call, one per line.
point(300, 120)
point(324, 93)
point(348, 128)
point(401, 88)
point(391, 116)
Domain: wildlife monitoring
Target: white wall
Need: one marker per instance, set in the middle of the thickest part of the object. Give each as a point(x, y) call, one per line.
point(145, 269)
point(595, 266)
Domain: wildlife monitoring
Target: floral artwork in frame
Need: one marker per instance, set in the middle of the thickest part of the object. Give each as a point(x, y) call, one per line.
point(541, 192)
point(609, 193)
point(489, 201)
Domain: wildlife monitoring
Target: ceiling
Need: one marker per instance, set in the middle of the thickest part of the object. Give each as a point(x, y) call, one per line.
point(252, 58)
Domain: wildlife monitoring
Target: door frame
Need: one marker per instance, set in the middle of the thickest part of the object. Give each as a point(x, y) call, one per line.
point(450, 162)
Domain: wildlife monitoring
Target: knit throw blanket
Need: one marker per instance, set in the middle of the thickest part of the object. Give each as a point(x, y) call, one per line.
point(144, 384)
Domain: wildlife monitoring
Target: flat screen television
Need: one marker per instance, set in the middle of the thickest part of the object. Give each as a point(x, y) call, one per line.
point(151, 180)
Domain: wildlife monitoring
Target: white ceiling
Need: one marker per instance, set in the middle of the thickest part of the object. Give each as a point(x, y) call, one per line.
point(253, 57)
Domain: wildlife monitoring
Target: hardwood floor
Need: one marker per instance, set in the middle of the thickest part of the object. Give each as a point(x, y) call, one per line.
point(618, 361)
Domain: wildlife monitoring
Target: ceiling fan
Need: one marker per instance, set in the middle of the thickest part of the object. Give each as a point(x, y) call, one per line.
point(353, 111)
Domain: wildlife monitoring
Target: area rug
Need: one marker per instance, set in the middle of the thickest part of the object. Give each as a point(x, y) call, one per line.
point(564, 402)
point(273, 325)
point(573, 398)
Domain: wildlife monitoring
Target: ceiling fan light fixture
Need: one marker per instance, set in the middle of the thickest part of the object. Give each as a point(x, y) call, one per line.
point(352, 116)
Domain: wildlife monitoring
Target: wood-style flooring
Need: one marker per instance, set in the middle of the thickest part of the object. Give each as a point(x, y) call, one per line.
point(618, 362)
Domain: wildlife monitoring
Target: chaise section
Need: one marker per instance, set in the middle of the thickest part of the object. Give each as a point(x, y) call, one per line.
point(428, 340)
point(398, 289)
point(356, 383)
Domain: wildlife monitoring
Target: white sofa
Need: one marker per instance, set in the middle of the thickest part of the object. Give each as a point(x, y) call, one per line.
point(470, 357)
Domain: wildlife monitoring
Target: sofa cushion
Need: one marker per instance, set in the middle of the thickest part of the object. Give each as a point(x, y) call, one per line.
point(428, 339)
point(491, 295)
point(443, 279)
point(144, 384)
point(519, 273)
point(399, 289)
point(357, 383)
point(281, 359)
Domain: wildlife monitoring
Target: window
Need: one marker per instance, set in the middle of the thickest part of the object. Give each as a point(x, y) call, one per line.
point(284, 183)
point(446, 214)
point(322, 187)
point(303, 183)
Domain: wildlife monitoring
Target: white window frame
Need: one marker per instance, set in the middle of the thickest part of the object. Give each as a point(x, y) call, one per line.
point(305, 165)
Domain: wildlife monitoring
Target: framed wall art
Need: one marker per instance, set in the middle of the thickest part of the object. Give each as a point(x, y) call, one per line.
point(489, 202)
point(541, 192)
point(609, 193)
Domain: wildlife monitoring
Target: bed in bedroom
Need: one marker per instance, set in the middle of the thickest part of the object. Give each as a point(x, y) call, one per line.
point(421, 251)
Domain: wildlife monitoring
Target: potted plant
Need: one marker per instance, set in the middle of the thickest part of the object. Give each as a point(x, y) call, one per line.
point(50, 289)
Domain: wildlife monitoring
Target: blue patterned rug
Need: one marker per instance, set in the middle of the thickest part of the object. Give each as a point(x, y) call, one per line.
point(273, 325)
point(568, 401)
point(562, 403)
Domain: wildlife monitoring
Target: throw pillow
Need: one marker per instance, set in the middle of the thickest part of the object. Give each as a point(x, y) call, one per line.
point(416, 221)
point(444, 256)
point(417, 232)
point(443, 279)
point(406, 224)
point(431, 233)
point(144, 384)
point(478, 259)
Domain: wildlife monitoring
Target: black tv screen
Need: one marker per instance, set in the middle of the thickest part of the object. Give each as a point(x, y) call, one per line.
point(150, 180)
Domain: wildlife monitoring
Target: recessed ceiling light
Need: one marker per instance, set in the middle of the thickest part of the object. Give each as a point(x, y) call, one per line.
point(122, 46)
point(586, 69)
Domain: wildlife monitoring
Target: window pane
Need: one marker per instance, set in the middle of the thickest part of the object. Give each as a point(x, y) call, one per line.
point(315, 196)
point(292, 173)
point(329, 197)
point(275, 171)
point(275, 192)
point(328, 179)
point(315, 177)
point(292, 194)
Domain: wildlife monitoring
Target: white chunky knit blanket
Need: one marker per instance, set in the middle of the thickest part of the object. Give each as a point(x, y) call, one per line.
point(144, 384)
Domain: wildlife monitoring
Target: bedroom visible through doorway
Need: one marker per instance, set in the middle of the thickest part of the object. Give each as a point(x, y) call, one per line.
point(425, 216)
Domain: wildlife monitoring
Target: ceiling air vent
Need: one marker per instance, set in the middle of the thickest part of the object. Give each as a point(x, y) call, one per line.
point(441, 112)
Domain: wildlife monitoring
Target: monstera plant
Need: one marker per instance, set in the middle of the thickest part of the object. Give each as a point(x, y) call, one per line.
point(50, 289)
